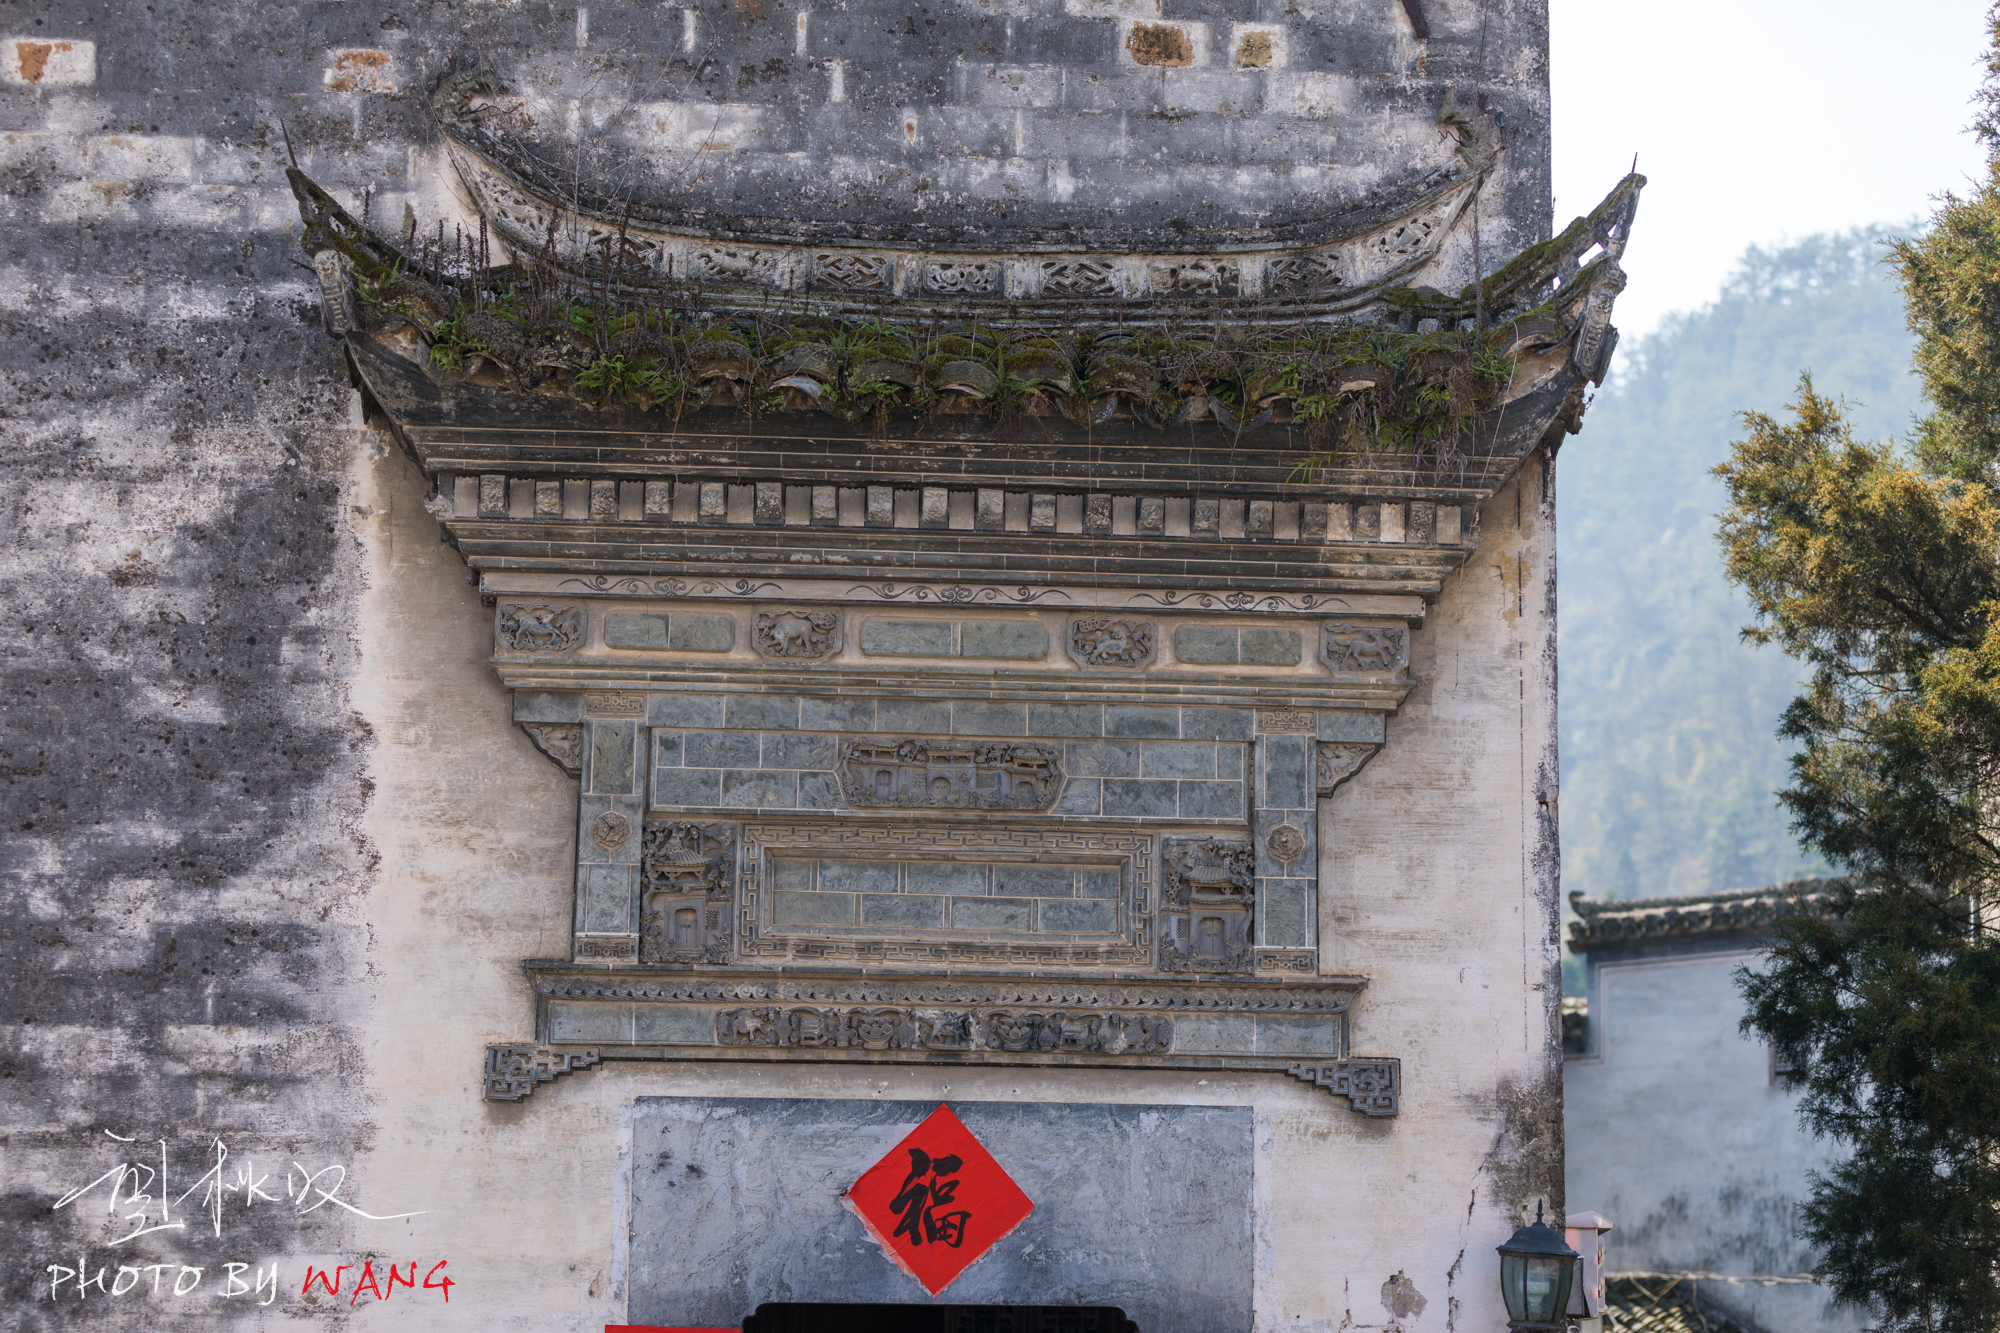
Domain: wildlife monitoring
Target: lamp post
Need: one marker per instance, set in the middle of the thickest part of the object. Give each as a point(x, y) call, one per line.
point(1536, 1270)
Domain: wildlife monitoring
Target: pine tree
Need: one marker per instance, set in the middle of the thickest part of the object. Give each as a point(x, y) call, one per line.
point(1879, 569)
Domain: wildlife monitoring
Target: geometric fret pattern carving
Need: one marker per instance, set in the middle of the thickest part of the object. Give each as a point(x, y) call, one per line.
point(513, 1071)
point(1372, 1087)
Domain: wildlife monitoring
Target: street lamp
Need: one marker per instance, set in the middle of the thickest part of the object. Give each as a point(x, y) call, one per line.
point(1536, 1269)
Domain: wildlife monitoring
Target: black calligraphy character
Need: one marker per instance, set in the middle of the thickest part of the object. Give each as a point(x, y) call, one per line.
point(920, 1199)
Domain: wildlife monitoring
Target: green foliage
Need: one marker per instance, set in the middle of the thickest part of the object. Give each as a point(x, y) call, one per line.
point(1879, 571)
point(1355, 391)
point(1669, 761)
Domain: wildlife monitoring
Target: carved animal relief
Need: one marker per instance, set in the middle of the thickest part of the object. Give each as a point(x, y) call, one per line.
point(560, 741)
point(528, 628)
point(949, 775)
point(684, 873)
point(1208, 895)
point(1099, 641)
point(1375, 649)
point(796, 636)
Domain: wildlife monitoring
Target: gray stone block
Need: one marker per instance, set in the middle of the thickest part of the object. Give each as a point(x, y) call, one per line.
point(906, 638)
point(908, 911)
point(763, 712)
point(1341, 724)
point(1177, 759)
point(607, 897)
point(1032, 881)
point(635, 631)
point(1019, 640)
point(687, 786)
point(847, 876)
point(545, 706)
point(697, 633)
point(719, 749)
point(1200, 1034)
point(837, 714)
point(667, 748)
point(1065, 719)
point(760, 789)
point(783, 749)
point(1099, 882)
point(1141, 798)
point(1269, 647)
point(1205, 644)
point(1101, 759)
point(685, 710)
point(582, 1020)
point(916, 716)
point(1076, 917)
point(812, 909)
point(1288, 1034)
point(1212, 800)
point(792, 874)
point(1229, 761)
point(612, 758)
point(1015, 915)
point(1147, 1207)
point(1218, 724)
point(674, 1025)
point(820, 791)
point(945, 877)
point(1081, 796)
point(989, 719)
point(1141, 720)
point(1286, 784)
point(1281, 907)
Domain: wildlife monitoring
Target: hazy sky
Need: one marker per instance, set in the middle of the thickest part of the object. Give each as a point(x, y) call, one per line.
point(1756, 121)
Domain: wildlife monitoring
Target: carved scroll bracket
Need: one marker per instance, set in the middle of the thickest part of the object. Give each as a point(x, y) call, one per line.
point(1337, 761)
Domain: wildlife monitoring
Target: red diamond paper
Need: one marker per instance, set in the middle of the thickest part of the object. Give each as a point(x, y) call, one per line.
point(938, 1201)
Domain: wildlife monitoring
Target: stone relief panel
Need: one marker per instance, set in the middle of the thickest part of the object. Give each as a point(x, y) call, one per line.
point(1107, 642)
point(796, 635)
point(522, 627)
point(916, 774)
point(872, 1028)
point(946, 894)
point(1208, 889)
point(1374, 649)
point(685, 882)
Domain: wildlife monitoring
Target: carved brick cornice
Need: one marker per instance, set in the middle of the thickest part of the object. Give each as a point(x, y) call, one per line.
point(1321, 995)
point(1103, 280)
point(1709, 916)
point(736, 1015)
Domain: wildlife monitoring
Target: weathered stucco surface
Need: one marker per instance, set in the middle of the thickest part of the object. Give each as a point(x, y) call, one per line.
point(1680, 1135)
point(274, 849)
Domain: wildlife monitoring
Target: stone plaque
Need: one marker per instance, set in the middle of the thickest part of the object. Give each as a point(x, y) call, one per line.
point(737, 1202)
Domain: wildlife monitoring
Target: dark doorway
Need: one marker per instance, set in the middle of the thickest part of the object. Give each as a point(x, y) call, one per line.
point(809, 1318)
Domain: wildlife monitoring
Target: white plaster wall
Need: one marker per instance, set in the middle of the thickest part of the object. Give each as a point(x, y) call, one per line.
point(1427, 886)
point(1678, 1134)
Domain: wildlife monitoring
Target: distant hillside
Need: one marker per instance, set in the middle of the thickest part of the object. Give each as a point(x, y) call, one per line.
point(1668, 757)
